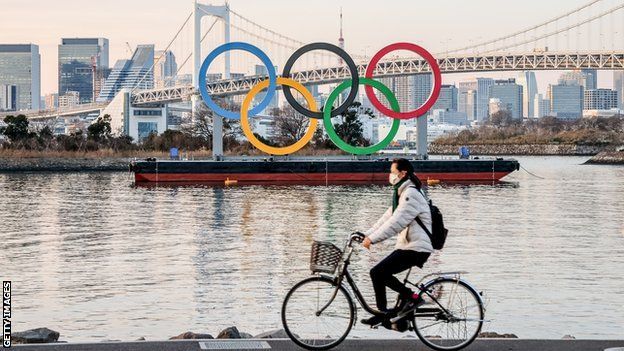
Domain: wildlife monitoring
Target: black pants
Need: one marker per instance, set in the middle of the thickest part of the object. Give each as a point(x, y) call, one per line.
point(382, 274)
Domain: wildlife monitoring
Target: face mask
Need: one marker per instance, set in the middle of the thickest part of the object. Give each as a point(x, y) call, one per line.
point(393, 178)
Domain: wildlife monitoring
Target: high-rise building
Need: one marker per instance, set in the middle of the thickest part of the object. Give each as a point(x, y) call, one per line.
point(471, 105)
point(510, 95)
point(421, 85)
point(165, 69)
point(587, 78)
point(261, 70)
point(600, 99)
point(483, 97)
point(541, 106)
point(8, 97)
point(20, 65)
point(69, 99)
point(51, 101)
point(134, 73)
point(618, 85)
point(81, 64)
point(447, 99)
point(566, 101)
point(466, 98)
point(529, 90)
point(590, 79)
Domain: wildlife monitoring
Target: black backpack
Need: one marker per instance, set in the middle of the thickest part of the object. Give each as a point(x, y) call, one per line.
point(438, 233)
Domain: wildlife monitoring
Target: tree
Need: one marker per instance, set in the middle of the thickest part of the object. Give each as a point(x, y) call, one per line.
point(350, 128)
point(100, 129)
point(16, 129)
point(500, 118)
point(289, 125)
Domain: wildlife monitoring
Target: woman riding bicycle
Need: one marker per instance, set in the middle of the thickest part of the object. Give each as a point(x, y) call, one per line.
point(413, 245)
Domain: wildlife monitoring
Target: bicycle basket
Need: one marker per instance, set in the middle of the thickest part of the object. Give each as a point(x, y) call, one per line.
point(324, 257)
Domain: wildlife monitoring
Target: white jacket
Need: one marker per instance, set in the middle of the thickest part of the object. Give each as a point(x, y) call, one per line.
point(402, 221)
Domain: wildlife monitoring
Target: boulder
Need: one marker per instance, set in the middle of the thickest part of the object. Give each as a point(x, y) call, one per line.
point(246, 335)
point(273, 334)
point(229, 333)
point(35, 336)
point(493, 335)
point(191, 335)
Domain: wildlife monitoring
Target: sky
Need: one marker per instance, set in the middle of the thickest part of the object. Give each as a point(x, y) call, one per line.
point(368, 25)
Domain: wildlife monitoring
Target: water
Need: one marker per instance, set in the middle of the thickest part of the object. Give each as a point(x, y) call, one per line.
point(98, 259)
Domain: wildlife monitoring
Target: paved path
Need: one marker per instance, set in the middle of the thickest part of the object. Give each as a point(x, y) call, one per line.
point(351, 344)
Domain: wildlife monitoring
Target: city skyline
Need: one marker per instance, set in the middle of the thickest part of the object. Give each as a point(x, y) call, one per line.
point(161, 19)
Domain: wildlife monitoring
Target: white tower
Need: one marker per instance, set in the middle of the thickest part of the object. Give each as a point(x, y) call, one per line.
point(222, 12)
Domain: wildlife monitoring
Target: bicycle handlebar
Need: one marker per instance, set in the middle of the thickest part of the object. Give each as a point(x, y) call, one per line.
point(358, 237)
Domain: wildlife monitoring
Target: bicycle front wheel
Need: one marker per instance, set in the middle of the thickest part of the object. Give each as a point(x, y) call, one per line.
point(451, 317)
point(317, 314)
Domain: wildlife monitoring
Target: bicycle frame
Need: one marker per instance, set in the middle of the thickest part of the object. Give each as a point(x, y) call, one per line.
point(343, 272)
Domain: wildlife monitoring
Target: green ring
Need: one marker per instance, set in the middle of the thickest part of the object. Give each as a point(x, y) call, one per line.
point(360, 150)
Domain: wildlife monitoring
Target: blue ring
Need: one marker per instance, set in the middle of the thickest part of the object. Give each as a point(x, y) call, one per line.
point(237, 46)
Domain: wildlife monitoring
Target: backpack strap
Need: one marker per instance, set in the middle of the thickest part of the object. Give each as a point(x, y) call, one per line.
point(420, 223)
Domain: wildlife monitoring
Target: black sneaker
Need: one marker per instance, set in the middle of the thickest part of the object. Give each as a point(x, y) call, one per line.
point(375, 319)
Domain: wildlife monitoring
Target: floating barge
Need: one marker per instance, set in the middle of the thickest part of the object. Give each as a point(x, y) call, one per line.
point(315, 170)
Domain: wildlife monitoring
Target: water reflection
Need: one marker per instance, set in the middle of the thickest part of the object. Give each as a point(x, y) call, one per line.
point(97, 258)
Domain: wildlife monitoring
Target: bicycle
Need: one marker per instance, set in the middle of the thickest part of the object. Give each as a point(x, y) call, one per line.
point(319, 312)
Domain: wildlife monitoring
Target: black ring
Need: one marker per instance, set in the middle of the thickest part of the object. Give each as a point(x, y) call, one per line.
point(355, 79)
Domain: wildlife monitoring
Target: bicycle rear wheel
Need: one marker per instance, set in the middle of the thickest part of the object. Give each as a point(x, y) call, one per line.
point(305, 325)
point(454, 321)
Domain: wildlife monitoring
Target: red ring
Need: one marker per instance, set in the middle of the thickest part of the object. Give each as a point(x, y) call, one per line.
point(437, 78)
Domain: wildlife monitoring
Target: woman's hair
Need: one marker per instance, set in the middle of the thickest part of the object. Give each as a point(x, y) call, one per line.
point(405, 165)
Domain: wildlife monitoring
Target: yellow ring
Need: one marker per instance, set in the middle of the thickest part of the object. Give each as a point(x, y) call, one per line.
point(272, 150)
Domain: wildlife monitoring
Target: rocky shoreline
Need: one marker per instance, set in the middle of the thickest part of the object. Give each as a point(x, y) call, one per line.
point(45, 335)
point(59, 164)
point(518, 149)
point(608, 158)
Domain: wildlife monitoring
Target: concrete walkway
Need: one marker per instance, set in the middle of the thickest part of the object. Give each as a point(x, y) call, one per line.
point(351, 344)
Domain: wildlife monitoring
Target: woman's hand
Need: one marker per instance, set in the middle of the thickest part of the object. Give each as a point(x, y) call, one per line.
point(367, 243)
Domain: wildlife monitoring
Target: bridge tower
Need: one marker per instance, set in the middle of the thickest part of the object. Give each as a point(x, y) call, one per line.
point(222, 12)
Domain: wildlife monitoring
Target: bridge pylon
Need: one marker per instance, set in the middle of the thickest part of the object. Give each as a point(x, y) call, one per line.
point(222, 12)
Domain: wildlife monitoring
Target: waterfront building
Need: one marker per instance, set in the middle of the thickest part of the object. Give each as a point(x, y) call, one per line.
point(467, 99)
point(529, 90)
point(618, 85)
point(421, 85)
point(51, 101)
point(82, 65)
point(600, 99)
point(135, 73)
point(566, 101)
point(69, 99)
point(541, 106)
point(165, 69)
point(8, 97)
point(447, 99)
point(20, 65)
point(450, 117)
point(510, 96)
point(483, 97)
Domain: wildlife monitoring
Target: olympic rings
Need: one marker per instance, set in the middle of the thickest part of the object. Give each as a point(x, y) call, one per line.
point(237, 46)
point(437, 78)
point(329, 127)
point(271, 149)
point(344, 56)
point(271, 86)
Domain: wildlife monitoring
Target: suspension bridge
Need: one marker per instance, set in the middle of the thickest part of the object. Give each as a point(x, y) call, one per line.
point(590, 36)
